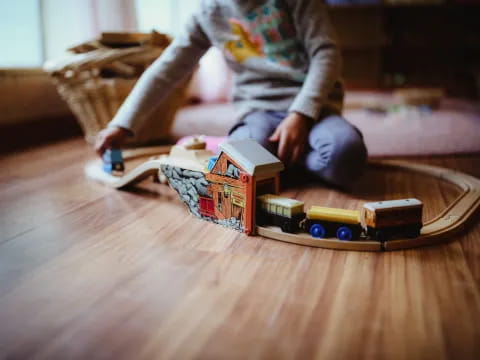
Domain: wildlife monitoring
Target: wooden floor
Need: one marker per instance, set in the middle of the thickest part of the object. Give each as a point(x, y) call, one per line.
point(87, 272)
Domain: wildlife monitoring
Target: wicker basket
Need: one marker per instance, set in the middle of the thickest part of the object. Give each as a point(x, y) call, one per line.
point(97, 78)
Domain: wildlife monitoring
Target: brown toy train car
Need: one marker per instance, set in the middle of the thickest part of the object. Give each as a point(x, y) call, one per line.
point(384, 219)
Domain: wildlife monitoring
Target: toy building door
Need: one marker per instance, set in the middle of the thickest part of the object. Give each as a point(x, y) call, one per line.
point(238, 202)
point(266, 186)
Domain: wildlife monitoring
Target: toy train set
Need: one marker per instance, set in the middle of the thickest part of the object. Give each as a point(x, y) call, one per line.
point(239, 189)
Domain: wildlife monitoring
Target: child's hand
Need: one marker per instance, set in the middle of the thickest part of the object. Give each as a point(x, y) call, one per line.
point(110, 137)
point(291, 135)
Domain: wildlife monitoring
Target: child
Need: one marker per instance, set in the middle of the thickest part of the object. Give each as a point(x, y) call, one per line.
point(287, 90)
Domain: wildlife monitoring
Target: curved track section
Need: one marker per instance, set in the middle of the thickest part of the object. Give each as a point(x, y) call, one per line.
point(435, 231)
point(94, 170)
point(450, 220)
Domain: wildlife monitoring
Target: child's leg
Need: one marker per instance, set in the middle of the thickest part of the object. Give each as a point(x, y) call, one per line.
point(258, 125)
point(337, 152)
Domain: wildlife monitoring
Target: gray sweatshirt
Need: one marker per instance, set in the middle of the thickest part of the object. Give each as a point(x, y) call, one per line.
point(283, 54)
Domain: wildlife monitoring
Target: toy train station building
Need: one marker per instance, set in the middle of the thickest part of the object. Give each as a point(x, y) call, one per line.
point(242, 171)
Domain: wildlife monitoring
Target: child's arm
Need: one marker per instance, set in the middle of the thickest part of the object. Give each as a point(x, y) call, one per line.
point(176, 62)
point(317, 35)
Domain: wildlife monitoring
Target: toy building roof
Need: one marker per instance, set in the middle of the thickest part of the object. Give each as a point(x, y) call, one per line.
point(252, 157)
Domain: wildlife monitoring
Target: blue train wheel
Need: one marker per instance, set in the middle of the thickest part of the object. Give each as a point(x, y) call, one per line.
point(317, 231)
point(344, 233)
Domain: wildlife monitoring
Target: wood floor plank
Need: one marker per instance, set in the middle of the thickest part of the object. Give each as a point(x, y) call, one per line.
point(88, 272)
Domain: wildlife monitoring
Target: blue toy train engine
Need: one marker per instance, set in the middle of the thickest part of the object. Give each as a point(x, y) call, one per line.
point(113, 161)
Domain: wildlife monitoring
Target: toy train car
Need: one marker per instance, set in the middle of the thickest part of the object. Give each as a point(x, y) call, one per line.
point(283, 212)
point(377, 220)
point(329, 222)
point(113, 161)
point(384, 219)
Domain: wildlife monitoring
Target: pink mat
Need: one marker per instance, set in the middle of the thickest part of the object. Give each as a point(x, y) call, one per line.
point(452, 129)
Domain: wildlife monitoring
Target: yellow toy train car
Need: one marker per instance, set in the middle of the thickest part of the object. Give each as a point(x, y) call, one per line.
point(330, 222)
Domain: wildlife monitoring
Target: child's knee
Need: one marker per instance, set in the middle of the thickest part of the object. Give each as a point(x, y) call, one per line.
point(341, 159)
point(350, 155)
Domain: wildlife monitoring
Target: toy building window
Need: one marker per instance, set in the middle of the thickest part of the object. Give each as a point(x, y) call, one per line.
point(232, 171)
point(226, 190)
point(219, 204)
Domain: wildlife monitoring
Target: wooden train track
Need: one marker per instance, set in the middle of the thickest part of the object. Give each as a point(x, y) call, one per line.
point(94, 170)
point(435, 231)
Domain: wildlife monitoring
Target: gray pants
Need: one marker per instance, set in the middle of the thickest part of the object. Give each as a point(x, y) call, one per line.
point(335, 152)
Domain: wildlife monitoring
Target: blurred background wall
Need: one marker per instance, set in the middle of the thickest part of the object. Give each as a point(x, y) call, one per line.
point(411, 44)
point(385, 45)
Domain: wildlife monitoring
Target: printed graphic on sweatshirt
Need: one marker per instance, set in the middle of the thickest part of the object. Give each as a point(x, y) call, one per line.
point(267, 31)
point(245, 46)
